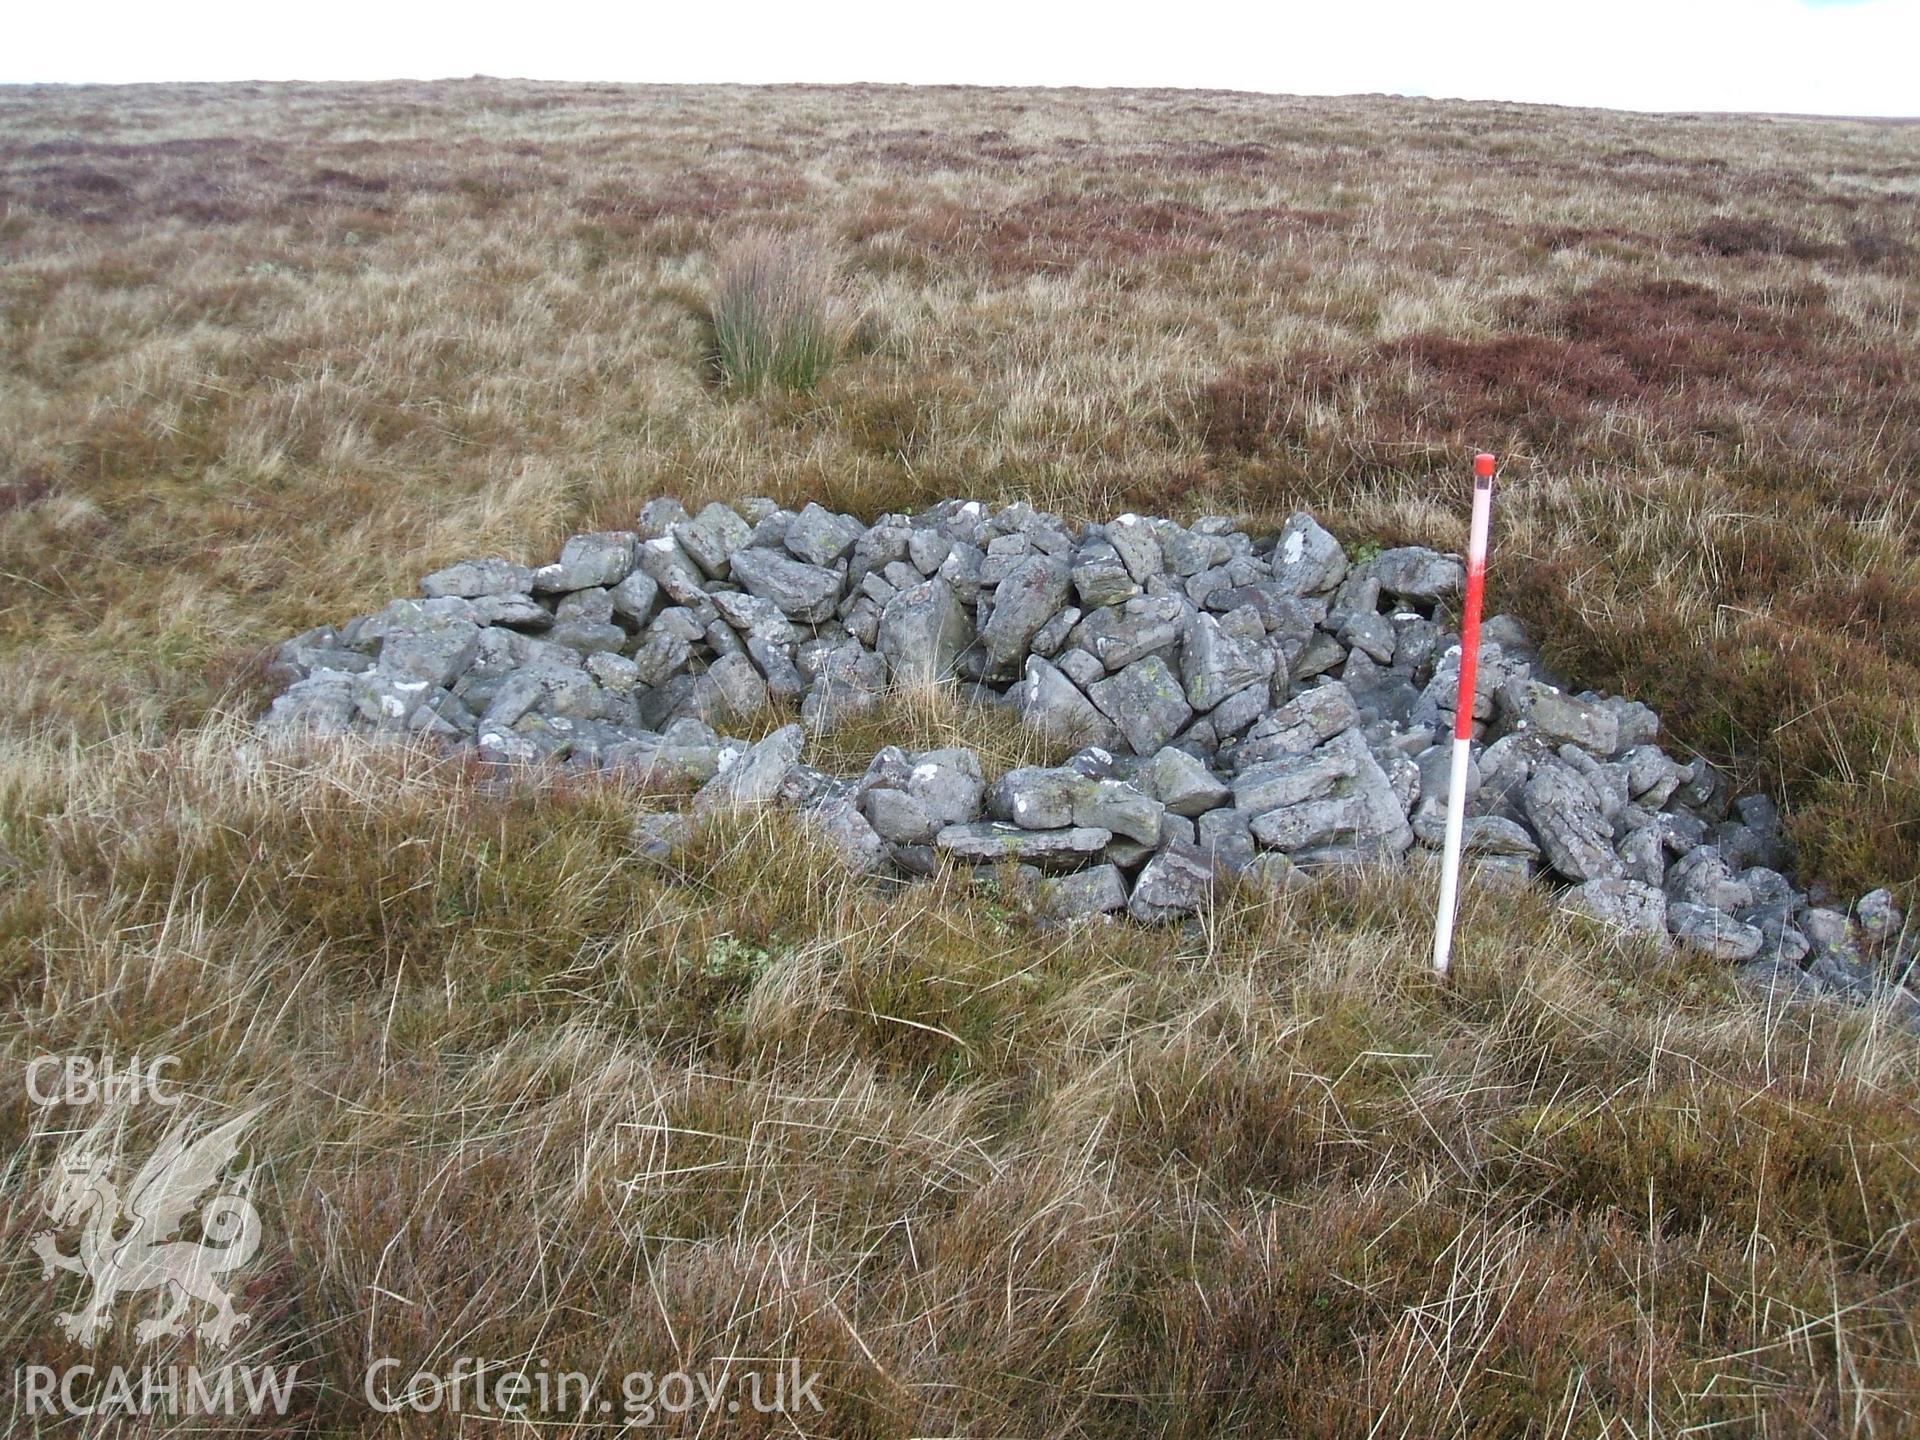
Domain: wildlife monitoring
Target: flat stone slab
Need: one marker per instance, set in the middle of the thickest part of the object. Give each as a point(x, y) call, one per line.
point(471, 578)
point(1713, 933)
point(987, 842)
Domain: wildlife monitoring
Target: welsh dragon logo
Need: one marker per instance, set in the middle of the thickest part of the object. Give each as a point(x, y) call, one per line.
point(128, 1245)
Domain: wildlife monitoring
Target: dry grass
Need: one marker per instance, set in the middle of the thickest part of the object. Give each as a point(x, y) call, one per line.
point(530, 1096)
point(274, 352)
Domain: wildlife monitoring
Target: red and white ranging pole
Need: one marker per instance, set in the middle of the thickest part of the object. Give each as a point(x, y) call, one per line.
point(1483, 465)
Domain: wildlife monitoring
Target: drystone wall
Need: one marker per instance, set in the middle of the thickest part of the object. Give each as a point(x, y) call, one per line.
point(1249, 709)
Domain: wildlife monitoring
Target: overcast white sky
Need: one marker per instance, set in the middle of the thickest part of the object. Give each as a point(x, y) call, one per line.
point(1848, 57)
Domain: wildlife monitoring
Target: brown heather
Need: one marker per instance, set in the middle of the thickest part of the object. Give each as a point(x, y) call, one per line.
point(272, 352)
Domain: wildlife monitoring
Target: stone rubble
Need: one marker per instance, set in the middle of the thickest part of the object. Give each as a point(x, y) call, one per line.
point(1249, 710)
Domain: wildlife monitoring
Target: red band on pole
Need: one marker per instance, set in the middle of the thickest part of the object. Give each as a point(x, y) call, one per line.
point(1483, 464)
point(1469, 653)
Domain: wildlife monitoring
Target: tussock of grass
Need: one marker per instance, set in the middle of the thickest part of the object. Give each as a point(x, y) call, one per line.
point(987, 1177)
point(778, 317)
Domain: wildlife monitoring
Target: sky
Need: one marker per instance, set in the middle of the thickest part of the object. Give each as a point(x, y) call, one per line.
point(1836, 57)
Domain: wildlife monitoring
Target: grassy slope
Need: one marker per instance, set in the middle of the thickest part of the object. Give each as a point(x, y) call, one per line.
point(274, 352)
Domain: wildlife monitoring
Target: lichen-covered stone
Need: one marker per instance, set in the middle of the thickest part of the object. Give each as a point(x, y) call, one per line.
point(1182, 783)
point(1290, 780)
point(1413, 572)
point(848, 835)
point(672, 570)
point(922, 631)
point(1146, 702)
point(1054, 704)
point(818, 537)
point(1214, 665)
point(850, 680)
point(756, 776)
point(1879, 917)
point(711, 537)
point(491, 576)
point(1334, 804)
point(1702, 877)
point(1031, 594)
point(1036, 797)
point(739, 686)
point(604, 558)
point(803, 592)
point(913, 800)
point(1307, 559)
point(1133, 539)
point(1560, 718)
point(1101, 577)
point(1565, 814)
point(1175, 883)
point(1098, 890)
point(1118, 636)
point(1308, 720)
point(1713, 932)
point(1629, 906)
point(1117, 806)
point(434, 652)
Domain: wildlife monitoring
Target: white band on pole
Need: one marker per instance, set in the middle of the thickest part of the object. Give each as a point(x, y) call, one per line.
point(1483, 466)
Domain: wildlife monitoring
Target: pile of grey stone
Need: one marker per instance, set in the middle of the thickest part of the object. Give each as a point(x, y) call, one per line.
point(1247, 710)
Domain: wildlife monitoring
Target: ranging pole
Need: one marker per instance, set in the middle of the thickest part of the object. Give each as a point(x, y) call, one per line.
point(1463, 710)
